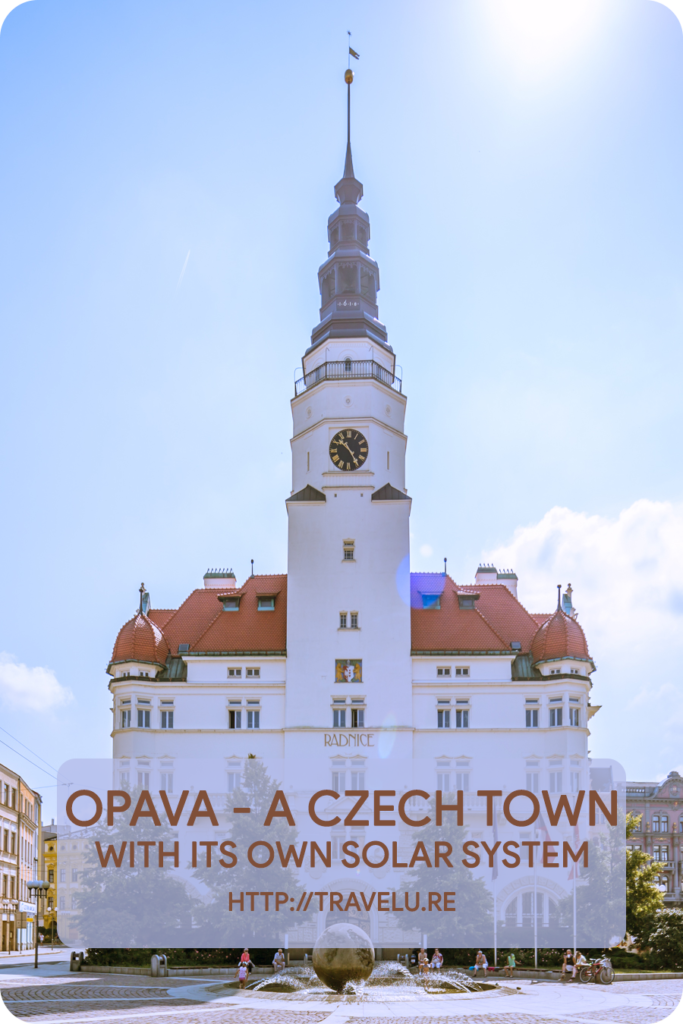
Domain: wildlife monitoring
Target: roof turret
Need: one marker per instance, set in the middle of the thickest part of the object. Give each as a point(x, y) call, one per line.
point(560, 636)
point(140, 640)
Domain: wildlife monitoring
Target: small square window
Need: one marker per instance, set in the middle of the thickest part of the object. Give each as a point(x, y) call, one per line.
point(183, 648)
point(266, 604)
point(253, 673)
point(462, 671)
point(234, 673)
point(465, 602)
point(445, 671)
point(230, 604)
point(431, 601)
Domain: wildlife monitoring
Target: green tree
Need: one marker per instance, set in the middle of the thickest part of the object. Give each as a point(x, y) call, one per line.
point(226, 927)
point(666, 940)
point(472, 922)
point(643, 899)
point(131, 906)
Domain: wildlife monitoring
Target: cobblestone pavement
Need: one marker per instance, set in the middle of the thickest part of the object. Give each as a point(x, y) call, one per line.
point(120, 999)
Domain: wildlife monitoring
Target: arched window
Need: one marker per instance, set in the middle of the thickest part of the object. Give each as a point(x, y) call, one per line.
point(511, 914)
point(347, 365)
point(655, 823)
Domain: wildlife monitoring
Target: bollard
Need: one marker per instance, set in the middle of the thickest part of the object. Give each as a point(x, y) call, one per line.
point(155, 965)
point(163, 965)
point(75, 961)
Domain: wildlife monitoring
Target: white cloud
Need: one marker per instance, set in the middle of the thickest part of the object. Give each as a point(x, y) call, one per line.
point(627, 575)
point(30, 689)
point(426, 550)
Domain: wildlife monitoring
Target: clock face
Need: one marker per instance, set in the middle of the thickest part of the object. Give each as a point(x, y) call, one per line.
point(348, 450)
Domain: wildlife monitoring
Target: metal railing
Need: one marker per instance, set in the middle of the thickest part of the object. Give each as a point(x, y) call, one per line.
point(348, 369)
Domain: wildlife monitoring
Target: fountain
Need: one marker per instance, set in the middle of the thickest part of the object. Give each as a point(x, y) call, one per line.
point(343, 953)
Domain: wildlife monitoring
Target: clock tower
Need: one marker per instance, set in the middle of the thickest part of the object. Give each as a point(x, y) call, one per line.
point(348, 608)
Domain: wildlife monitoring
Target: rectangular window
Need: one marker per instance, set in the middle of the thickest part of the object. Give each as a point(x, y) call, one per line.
point(532, 782)
point(349, 550)
point(231, 604)
point(357, 718)
point(339, 718)
point(253, 673)
point(431, 601)
point(462, 718)
point(338, 781)
point(74, 875)
point(555, 716)
point(253, 719)
point(337, 843)
point(235, 719)
point(443, 671)
point(166, 719)
point(555, 782)
point(125, 719)
point(167, 782)
point(234, 673)
point(358, 779)
point(462, 781)
point(143, 719)
point(62, 875)
point(266, 604)
point(124, 779)
point(354, 620)
point(573, 716)
point(532, 718)
point(233, 781)
point(342, 620)
point(575, 781)
point(463, 671)
point(51, 875)
point(443, 781)
point(62, 903)
point(143, 780)
point(443, 718)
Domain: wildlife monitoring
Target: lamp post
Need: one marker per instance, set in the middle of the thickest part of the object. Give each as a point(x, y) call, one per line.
point(40, 888)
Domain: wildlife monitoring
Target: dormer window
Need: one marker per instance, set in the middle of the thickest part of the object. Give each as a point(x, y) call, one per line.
point(230, 604)
point(266, 604)
point(431, 601)
point(183, 648)
point(465, 602)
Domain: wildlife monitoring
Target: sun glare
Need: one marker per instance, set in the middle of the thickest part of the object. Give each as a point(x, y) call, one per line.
point(535, 36)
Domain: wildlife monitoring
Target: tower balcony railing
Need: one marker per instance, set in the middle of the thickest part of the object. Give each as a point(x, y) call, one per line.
point(348, 369)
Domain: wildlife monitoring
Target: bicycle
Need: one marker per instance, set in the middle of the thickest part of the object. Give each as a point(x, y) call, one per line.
point(600, 970)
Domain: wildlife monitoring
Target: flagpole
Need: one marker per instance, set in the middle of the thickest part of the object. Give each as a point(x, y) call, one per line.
point(535, 912)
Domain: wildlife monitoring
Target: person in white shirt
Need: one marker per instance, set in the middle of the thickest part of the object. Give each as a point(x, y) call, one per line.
point(437, 960)
point(278, 961)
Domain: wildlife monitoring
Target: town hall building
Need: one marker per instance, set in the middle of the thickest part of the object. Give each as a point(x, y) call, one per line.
point(349, 656)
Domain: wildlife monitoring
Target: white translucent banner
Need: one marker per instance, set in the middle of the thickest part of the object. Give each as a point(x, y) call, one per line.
point(271, 852)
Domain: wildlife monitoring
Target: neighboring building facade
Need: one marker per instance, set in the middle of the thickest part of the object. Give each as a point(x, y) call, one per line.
point(661, 829)
point(20, 859)
point(349, 644)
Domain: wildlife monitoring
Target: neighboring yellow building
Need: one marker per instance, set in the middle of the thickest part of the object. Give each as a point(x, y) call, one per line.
point(20, 858)
point(50, 875)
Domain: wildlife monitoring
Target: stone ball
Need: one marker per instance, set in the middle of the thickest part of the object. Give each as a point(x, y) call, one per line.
point(343, 953)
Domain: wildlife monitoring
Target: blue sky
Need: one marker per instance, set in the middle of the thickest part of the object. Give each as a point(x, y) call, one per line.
point(522, 165)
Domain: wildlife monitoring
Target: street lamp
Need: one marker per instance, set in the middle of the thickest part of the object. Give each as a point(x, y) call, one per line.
point(40, 889)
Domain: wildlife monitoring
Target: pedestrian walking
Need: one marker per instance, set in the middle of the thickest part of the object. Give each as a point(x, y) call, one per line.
point(243, 972)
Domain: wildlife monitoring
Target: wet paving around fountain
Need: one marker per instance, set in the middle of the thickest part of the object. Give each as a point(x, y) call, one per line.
point(57, 997)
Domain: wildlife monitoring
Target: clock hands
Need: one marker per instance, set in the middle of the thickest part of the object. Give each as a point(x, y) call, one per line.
point(349, 451)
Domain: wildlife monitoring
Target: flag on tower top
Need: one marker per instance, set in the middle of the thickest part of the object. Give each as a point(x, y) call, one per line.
point(353, 53)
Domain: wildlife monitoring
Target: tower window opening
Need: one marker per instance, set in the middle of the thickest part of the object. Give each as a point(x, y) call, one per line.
point(347, 365)
point(342, 620)
point(387, 460)
point(349, 550)
point(354, 620)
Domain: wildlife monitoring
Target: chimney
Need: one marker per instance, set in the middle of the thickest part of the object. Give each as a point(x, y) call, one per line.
point(219, 579)
point(509, 579)
point(485, 574)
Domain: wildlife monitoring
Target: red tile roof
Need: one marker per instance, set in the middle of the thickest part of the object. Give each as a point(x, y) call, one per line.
point(497, 620)
point(140, 640)
point(249, 629)
point(559, 637)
